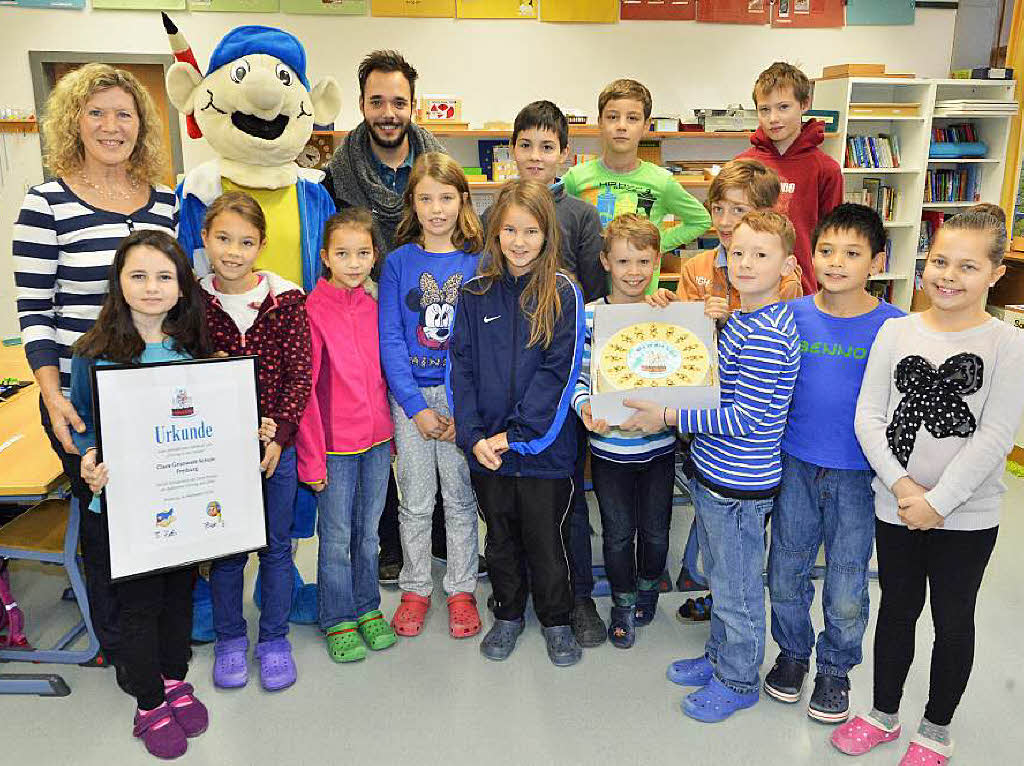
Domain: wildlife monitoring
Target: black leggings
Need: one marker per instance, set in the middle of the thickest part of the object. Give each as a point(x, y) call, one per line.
point(952, 564)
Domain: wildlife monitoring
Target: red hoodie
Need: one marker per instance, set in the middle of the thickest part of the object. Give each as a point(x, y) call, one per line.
point(812, 184)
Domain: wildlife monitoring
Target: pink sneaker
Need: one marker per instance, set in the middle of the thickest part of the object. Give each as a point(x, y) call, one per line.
point(160, 732)
point(858, 735)
point(930, 754)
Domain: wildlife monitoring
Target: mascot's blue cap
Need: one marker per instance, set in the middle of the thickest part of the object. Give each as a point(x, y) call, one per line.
point(242, 41)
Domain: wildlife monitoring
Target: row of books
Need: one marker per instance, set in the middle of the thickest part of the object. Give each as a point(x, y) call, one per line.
point(959, 133)
point(931, 220)
point(884, 199)
point(881, 151)
point(953, 185)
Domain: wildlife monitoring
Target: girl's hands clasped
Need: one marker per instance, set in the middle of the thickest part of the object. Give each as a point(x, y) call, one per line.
point(95, 475)
point(431, 425)
point(488, 452)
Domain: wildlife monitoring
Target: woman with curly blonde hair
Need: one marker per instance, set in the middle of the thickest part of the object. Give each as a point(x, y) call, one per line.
point(101, 134)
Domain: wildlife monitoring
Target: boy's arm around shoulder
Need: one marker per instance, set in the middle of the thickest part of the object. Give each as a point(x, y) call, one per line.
point(692, 217)
point(872, 414)
point(297, 373)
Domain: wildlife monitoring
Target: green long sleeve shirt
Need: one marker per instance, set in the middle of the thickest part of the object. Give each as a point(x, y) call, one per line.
point(648, 190)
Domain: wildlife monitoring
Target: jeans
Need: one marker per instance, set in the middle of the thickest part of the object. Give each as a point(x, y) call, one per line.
point(636, 505)
point(581, 556)
point(527, 527)
point(817, 505)
point(949, 564)
point(104, 607)
point(731, 534)
point(276, 579)
point(156, 622)
point(350, 508)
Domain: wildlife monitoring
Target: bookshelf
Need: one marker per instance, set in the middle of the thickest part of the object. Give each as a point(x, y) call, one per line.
point(914, 132)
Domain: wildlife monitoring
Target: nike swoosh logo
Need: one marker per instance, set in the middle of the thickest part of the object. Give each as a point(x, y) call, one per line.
point(488, 320)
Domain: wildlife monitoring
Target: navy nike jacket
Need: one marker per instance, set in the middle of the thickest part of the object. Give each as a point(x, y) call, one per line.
point(495, 383)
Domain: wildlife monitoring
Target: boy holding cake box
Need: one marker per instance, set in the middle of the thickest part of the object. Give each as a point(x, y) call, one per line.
point(632, 472)
point(735, 464)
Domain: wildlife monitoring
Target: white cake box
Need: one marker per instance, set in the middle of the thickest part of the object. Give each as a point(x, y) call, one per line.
point(657, 346)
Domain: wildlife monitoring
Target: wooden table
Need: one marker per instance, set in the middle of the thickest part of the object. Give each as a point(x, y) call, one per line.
point(29, 468)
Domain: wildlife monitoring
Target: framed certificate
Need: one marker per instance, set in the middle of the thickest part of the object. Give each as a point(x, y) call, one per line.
point(181, 445)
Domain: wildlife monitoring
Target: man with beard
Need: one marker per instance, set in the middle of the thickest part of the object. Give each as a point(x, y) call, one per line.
point(371, 169)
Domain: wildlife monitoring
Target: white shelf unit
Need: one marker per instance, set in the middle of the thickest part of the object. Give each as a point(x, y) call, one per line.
point(914, 133)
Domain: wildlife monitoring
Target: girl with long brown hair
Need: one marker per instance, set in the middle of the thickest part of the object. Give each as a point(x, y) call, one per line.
point(439, 244)
point(514, 359)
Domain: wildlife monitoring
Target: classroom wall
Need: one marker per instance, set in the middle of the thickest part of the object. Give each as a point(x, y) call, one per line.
point(494, 66)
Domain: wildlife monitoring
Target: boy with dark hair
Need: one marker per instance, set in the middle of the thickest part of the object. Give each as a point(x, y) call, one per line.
point(620, 182)
point(812, 182)
point(826, 494)
point(540, 144)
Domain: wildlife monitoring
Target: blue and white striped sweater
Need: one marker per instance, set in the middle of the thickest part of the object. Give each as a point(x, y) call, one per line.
point(616, 445)
point(62, 251)
point(737, 445)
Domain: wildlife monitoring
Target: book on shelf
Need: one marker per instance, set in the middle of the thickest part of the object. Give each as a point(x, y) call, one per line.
point(882, 198)
point(959, 133)
point(881, 151)
point(947, 185)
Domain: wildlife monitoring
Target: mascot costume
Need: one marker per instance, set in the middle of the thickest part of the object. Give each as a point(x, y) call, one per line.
point(256, 109)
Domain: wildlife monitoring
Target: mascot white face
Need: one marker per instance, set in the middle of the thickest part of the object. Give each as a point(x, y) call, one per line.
point(254, 109)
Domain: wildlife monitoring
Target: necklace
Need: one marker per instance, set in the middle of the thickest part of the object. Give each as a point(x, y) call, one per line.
point(110, 192)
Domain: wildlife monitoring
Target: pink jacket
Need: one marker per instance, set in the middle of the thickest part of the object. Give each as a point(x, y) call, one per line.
point(348, 408)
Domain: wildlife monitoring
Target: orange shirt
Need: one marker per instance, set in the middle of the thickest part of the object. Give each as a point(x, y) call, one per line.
point(702, 276)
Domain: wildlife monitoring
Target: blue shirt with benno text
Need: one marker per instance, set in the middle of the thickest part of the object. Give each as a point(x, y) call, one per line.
point(833, 355)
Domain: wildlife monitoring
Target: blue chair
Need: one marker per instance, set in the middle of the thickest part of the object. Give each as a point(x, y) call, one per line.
point(49, 533)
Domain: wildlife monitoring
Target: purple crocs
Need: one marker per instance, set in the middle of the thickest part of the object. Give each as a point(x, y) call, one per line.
point(716, 702)
point(277, 667)
point(231, 667)
point(160, 732)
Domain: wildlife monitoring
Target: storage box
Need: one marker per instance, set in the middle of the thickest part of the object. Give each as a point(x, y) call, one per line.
point(852, 70)
point(665, 124)
point(434, 108)
point(639, 343)
point(1012, 314)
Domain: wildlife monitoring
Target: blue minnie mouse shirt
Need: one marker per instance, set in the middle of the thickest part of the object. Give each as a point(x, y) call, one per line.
point(833, 355)
point(417, 296)
point(942, 408)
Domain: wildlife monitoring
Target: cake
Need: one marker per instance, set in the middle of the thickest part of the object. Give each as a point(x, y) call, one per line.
point(651, 354)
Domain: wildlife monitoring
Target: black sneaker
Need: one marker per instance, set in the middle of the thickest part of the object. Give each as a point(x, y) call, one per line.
point(830, 702)
point(587, 625)
point(388, 571)
point(785, 681)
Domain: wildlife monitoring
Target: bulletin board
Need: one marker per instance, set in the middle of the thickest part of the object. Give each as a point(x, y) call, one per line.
point(734, 11)
point(496, 9)
point(595, 11)
point(414, 8)
point(659, 10)
point(807, 13)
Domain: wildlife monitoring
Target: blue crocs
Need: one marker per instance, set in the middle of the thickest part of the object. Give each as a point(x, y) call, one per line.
point(695, 672)
point(716, 702)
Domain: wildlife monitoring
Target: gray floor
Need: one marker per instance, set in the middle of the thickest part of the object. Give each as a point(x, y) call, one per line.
point(433, 700)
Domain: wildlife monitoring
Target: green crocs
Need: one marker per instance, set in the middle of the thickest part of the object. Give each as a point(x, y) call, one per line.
point(376, 631)
point(344, 643)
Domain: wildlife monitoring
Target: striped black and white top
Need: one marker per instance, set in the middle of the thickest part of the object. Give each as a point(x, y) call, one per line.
point(737, 447)
point(63, 248)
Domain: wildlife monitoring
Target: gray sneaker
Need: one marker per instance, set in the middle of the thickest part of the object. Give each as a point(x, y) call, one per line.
point(587, 625)
point(563, 650)
point(501, 639)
